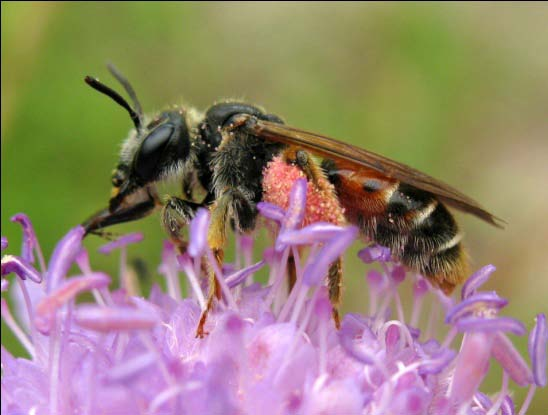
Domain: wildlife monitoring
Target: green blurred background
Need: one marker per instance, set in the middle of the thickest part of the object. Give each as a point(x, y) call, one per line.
point(457, 90)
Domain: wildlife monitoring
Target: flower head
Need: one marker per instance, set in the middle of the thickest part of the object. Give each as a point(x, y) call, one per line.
point(268, 351)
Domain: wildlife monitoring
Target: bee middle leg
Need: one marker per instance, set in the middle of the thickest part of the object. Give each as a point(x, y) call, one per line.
point(233, 204)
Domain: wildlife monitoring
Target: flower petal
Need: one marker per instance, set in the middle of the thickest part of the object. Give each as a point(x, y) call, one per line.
point(198, 233)
point(357, 339)
point(30, 242)
point(477, 279)
point(125, 240)
point(336, 397)
point(471, 367)
point(537, 350)
point(316, 269)
point(375, 253)
point(508, 406)
point(106, 319)
point(437, 362)
point(511, 361)
point(315, 233)
point(377, 281)
point(271, 211)
point(46, 308)
point(398, 274)
point(296, 209)
point(496, 324)
point(240, 276)
point(20, 267)
point(4, 243)
point(474, 303)
point(63, 256)
point(412, 400)
point(297, 204)
point(420, 288)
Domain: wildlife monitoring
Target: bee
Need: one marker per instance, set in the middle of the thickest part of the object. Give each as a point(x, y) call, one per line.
point(227, 152)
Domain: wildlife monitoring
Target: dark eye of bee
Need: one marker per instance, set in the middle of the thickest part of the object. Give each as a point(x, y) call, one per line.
point(151, 150)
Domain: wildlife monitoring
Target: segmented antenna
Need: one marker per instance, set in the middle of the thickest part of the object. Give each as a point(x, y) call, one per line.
point(135, 114)
point(129, 89)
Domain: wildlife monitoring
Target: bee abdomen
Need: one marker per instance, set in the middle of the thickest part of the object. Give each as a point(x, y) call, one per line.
point(413, 223)
point(422, 234)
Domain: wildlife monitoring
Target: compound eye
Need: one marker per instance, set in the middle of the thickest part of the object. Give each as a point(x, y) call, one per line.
point(149, 155)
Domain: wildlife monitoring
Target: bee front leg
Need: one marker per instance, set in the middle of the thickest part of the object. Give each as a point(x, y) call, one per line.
point(176, 215)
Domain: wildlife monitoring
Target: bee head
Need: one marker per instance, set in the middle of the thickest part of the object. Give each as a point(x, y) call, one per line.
point(151, 153)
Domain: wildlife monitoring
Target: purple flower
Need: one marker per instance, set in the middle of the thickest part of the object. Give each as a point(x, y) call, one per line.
point(477, 279)
point(537, 350)
point(48, 306)
point(20, 267)
point(122, 242)
point(198, 230)
point(4, 242)
point(268, 351)
point(63, 256)
point(30, 242)
point(375, 253)
point(471, 366)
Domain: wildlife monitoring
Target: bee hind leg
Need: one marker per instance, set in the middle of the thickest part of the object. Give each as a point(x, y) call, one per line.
point(315, 175)
point(334, 282)
point(303, 160)
point(291, 272)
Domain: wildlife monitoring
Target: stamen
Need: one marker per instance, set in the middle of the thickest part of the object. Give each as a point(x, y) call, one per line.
point(170, 269)
point(16, 329)
point(290, 300)
point(528, 400)
point(227, 295)
point(166, 395)
point(503, 391)
point(279, 274)
point(30, 311)
point(192, 278)
point(420, 288)
point(54, 366)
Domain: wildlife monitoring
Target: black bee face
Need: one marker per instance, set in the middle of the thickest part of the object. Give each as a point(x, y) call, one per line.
point(159, 151)
point(151, 153)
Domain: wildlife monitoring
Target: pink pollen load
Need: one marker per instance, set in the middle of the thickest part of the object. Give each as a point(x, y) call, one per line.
point(321, 206)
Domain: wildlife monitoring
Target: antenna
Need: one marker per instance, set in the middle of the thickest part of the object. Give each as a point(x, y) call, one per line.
point(129, 89)
point(135, 114)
